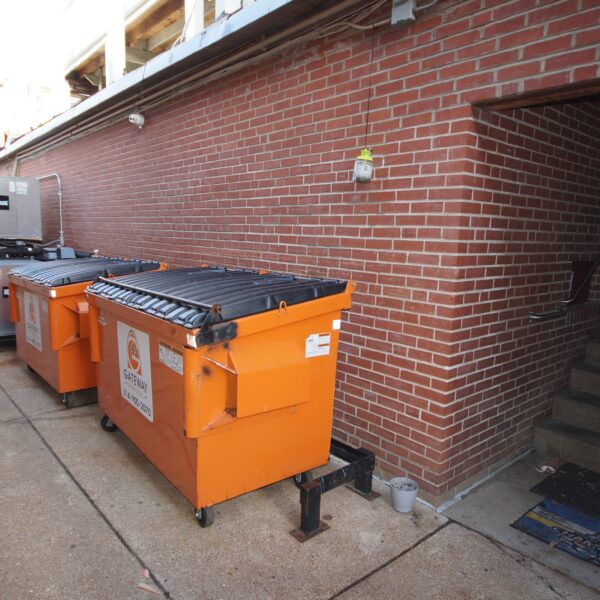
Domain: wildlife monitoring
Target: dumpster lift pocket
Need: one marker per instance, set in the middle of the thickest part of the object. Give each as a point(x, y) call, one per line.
point(69, 322)
point(270, 377)
point(83, 311)
point(247, 380)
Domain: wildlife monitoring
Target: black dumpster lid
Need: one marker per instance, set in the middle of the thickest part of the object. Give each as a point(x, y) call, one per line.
point(80, 270)
point(186, 297)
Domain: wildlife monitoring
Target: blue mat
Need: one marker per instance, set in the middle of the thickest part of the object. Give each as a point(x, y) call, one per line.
point(563, 527)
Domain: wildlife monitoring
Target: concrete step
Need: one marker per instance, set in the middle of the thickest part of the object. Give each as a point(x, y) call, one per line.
point(585, 378)
point(592, 351)
point(572, 444)
point(577, 409)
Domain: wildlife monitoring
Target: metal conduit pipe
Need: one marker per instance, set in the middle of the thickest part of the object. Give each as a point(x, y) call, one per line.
point(426, 6)
point(16, 165)
point(144, 99)
point(61, 234)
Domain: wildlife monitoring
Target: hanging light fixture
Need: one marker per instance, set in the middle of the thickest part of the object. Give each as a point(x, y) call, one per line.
point(363, 167)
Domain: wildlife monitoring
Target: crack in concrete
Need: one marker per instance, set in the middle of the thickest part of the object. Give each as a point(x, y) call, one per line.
point(525, 561)
point(166, 594)
point(12, 420)
point(390, 561)
point(47, 412)
point(62, 416)
point(67, 413)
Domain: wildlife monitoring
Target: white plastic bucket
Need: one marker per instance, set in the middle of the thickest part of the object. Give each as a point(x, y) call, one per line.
point(404, 493)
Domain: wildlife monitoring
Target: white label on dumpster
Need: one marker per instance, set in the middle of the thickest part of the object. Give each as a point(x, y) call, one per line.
point(317, 344)
point(170, 358)
point(134, 368)
point(33, 331)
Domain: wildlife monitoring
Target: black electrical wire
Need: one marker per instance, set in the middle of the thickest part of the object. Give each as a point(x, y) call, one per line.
point(370, 86)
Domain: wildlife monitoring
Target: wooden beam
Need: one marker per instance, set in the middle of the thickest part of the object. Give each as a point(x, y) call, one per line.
point(164, 36)
point(82, 87)
point(137, 56)
point(163, 12)
point(92, 65)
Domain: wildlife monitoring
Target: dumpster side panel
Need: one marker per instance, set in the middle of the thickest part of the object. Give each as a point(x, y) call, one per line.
point(269, 365)
point(49, 337)
point(162, 440)
point(32, 333)
point(75, 370)
point(242, 454)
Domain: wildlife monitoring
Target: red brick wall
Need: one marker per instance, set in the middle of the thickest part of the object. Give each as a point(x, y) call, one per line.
point(255, 171)
point(50, 212)
point(534, 209)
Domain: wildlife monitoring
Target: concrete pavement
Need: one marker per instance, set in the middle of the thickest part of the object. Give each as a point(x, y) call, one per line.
point(491, 508)
point(85, 515)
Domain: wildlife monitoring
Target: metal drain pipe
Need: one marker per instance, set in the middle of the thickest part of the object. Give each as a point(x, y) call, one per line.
point(61, 233)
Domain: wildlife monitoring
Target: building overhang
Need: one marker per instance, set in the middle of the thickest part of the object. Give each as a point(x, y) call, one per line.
point(255, 22)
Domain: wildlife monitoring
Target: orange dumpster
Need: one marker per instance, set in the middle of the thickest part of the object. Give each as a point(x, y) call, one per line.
point(50, 312)
point(223, 378)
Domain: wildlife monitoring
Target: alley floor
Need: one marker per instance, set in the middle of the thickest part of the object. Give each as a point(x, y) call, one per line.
point(85, 516)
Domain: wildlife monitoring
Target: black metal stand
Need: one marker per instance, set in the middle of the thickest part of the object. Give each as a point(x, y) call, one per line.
point(359, 470)
point(80, 398)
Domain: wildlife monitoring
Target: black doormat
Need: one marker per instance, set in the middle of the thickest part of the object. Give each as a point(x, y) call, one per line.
point(564, 528)
point(573, 486)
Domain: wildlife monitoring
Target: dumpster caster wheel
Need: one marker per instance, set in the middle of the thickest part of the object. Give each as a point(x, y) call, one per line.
point(302, 478)
point(108, 425)
point(206, 516)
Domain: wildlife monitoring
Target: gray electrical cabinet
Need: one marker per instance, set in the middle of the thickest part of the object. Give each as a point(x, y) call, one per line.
point(20, 210)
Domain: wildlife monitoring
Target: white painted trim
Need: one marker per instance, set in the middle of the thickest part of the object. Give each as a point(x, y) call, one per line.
point(114, 49)
point(194, 18)
point(481, 481)
point(467, 490)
